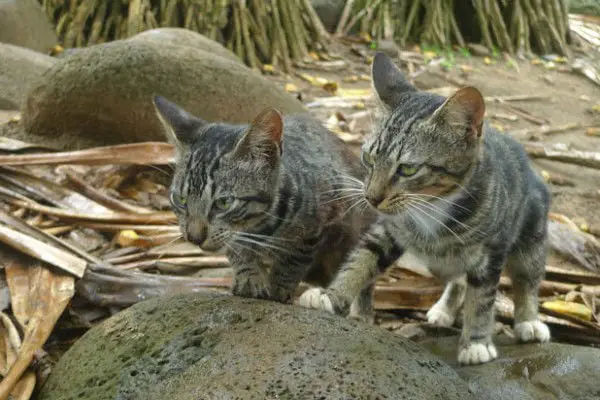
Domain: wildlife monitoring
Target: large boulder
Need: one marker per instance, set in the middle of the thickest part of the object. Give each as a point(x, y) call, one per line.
point(20, 68)
point(102, 95)
point(23, 23)
point(185, 37)
point(194, 346)
point(528, 371)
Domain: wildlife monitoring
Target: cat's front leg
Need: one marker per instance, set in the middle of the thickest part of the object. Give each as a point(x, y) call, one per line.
point(476, 345)
point(375, 253)
point(287, 274)
point(250, 278)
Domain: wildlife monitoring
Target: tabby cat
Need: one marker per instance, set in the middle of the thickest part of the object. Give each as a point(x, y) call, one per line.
point(460, 196)
point(271, 195)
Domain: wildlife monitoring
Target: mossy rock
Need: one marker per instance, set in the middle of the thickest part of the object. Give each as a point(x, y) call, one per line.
point(102, 95)
point(195, 346)
point(20, 69)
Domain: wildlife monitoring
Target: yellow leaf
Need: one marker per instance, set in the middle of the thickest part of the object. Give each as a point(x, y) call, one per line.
point(352, 78)
point(56, 50)
point(569, 308)
point(290, 87)
point(355, 92)
point(127, 237)
point(306, 77)
point(487, 60)
point(314, 55)
point(365, 77)
point(596, 108)
point(466, 68)
point(545, 175)
point(330, 87)
point(550, 65)
point(268, 68)
point(429, 54)
point(366, 37)
point(593, 132)
point(359, 106)
point(15, 118)
point(536, 61)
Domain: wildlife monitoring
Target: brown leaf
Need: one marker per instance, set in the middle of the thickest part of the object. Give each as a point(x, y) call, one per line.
point(156, 153)
point(42, 251)
point(48, 293)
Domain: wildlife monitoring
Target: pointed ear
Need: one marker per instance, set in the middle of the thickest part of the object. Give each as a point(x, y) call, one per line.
point(388, 81)
point(463, 112)
point(264, 136)
point(179, 125)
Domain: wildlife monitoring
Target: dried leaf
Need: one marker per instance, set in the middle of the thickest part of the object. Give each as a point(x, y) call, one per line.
point(291, 88)
point(566, 307)
point(153, 153)
point(43, 252)
point(48, 295)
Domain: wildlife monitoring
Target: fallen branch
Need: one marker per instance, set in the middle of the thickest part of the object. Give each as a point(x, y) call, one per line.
point(589, 159)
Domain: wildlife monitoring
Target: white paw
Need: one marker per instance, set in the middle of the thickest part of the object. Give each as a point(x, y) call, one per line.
point(315, 298)
point(440, 316)
point(477, 353)
point(532, 331)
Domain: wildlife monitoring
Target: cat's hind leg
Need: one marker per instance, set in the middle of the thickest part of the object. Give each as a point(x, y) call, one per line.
point(445, 310)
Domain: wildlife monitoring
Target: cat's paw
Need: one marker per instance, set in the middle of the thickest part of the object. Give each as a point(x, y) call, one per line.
point(440, 315)
point(532, 331)
point(254, 286)
point(477, 353)
point(318, 299)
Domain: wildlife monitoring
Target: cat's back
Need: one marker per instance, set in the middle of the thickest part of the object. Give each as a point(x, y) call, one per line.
point(308, 143)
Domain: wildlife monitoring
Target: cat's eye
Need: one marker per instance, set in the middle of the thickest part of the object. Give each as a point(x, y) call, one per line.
point(177, 200)
point(408, 169)
point(367, 158)
point(223, 203)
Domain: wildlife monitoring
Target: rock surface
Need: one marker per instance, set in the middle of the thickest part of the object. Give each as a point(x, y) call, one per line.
point(23, 23)
point(102, 95)
point(20, 68)
point(185, 37)
point(193, 346)
point(528, 371)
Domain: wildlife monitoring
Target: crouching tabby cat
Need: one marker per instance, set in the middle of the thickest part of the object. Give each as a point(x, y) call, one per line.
point(270, 195)
point(460, 196)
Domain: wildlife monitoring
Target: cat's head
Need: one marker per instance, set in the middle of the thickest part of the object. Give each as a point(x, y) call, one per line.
point(425, 145)
point(225, 176)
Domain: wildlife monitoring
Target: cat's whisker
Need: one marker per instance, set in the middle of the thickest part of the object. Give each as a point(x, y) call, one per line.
point(242, 235)
point(424, 212)
point(342, 190)
point(169, 245)
point(265, 237)
point(359, 201)
point(437, 198)
point(464, 189)
point(442, 212)
point(349, 196)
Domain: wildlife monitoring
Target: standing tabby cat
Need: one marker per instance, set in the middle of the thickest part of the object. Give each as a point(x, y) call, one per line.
point(268, 194)
point(460, 196)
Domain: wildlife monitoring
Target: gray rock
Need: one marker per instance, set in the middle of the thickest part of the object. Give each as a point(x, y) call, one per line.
point(528, 371)
point(185, 37)
point(329, 11)
point(23, 23)
point(102, 95)
point(20, 68)
point(194, 346)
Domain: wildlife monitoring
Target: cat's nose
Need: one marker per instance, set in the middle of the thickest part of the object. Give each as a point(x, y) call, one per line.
point(197, 232)
point(374, 199)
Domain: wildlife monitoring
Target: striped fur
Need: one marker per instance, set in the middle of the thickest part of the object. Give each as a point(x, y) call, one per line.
point(473, 206)
point(272, 195)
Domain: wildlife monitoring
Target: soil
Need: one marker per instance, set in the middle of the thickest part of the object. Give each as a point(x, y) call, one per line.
point(566, 98)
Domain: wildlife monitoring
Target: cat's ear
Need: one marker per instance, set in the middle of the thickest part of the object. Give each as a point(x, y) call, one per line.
point(388, 81)
point(463, 112)
point(264, 136)
point(180, 126)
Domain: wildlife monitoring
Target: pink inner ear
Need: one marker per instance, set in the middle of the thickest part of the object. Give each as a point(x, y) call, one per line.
point(471, 101)
point(270, 122)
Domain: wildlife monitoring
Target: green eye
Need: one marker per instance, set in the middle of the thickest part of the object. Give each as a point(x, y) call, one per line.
point(223, 203)
point(177, 200)
point(408, 169)
point(367, 158)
